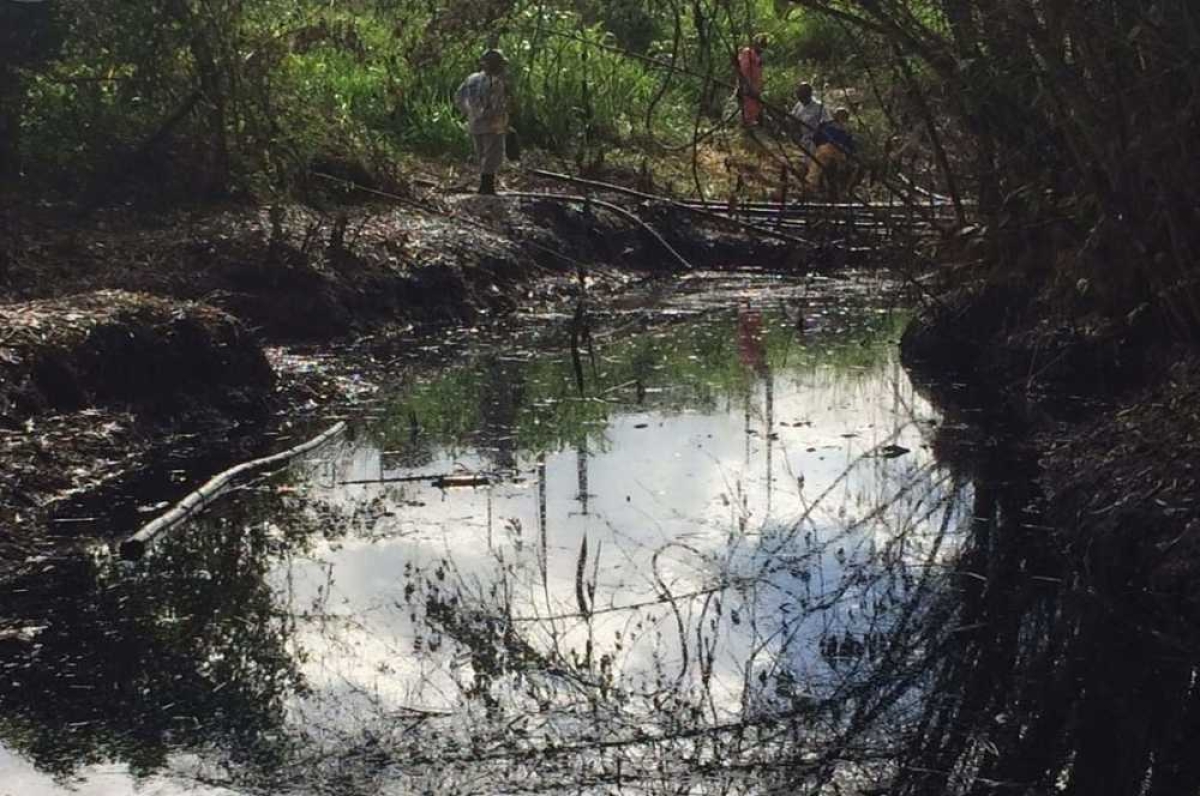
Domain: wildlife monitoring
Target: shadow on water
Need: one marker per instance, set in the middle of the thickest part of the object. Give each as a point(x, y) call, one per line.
point(729, 563)
point(1050, 675)
point(107, 662)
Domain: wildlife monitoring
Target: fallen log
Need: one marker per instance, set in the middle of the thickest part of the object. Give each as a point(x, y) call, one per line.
point(135, 546)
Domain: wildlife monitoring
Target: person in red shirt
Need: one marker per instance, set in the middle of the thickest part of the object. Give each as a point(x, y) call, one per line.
point(750, 81)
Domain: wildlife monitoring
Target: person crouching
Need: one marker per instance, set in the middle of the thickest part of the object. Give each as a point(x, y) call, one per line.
point(832, 169)
point(483, 98)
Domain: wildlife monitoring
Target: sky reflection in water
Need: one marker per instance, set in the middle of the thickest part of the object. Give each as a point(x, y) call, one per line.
point(676, 500)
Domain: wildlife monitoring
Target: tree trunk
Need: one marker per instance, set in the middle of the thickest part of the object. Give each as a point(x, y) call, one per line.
point(11, 103)
point(205, 45)
point(215, 179)
point(711, 95)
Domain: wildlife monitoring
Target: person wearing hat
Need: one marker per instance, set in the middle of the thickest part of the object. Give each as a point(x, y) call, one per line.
point(483, 98)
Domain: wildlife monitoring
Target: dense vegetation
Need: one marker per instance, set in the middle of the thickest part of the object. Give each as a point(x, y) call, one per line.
point(1060, 132)
point(1076, 123)
point(224, 95)
point(1070, 125)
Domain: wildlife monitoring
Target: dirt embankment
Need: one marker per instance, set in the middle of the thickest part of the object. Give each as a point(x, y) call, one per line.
point(95, 388)
point(298, 274)
point(290, 273)
point(1108, 414)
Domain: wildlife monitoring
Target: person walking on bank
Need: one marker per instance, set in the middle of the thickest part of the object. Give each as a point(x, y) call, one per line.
point(483, 98)
point(750, 81)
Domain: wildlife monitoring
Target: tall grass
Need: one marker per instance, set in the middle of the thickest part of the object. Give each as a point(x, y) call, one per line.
point(572, 91)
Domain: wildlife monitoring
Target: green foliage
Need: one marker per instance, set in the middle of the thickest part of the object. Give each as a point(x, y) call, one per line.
point(813, 41)
point(632, 23)
point(572, 91)
point(209, 96)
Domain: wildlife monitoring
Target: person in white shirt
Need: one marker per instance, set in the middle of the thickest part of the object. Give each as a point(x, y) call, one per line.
point(483, 97)
point(810, 113)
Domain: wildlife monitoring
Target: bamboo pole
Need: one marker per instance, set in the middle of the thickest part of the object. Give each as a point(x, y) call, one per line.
point(555, 197)
point(439, 480)
point(764, 210)
point(135, 546)
point(684, 206)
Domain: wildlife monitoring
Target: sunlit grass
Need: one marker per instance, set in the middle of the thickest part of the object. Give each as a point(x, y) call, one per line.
point(361, 84)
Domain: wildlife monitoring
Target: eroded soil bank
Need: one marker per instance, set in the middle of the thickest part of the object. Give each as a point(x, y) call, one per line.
point(99, 388)
point(1107, 416)
point(295, 273)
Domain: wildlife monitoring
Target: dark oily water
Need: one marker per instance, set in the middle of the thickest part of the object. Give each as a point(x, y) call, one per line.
point(699, 542)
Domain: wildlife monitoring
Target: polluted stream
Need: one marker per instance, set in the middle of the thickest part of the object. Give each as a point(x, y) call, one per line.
point(694, 542)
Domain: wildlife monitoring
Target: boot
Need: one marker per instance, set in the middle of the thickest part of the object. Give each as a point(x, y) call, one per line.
point(487, 184)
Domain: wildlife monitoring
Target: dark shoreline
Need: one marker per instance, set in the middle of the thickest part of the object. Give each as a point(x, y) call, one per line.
point(1107, 425)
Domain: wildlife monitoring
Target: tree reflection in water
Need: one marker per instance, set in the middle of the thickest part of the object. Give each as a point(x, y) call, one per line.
point(186, 651)
point(775, 673)
point(1047, 672)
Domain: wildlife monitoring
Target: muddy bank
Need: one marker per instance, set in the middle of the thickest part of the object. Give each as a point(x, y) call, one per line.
point(1108, 420)
point(99, 389)
point(131, 343)
point(290, 273)
point(296, 273)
